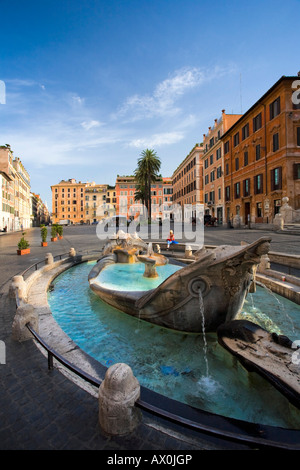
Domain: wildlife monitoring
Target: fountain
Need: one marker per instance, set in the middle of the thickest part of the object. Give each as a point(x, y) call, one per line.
point(223, 276)
point(204, 296)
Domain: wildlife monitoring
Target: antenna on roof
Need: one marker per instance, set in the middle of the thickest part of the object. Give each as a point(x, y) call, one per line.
point(241, 93)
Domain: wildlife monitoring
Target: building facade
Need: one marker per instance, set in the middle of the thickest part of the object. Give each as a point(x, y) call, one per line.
point(262, 157)
point(78, 202)
point(127, 205)
point(187, 181)
point(68, 202)
point(95, 202)
point(15, 209)
point(22, 204)
point(39, 211)
point(213, 166)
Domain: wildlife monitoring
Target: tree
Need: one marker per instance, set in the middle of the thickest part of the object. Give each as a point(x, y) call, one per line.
point(147, 173)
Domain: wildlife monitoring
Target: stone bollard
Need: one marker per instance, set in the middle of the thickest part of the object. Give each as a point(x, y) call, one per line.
point(49, 258)
point(72, 252)
point(17, 288)
point(117, 396)
point(188, 251)
point(26, 313)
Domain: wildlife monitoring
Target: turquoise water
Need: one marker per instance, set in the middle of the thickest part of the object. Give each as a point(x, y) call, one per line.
point(129, 277)
point(173, 363)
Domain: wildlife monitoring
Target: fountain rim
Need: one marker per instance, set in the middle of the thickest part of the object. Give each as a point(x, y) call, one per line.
point(246, 431)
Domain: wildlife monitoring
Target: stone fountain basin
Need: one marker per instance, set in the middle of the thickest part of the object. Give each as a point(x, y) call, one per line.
point(213, 287)
point(268, 354)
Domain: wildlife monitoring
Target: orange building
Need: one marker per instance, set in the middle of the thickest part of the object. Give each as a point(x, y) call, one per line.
point(213, 166)
point(187, 179)
point(68, 201)
point(78, 202)
point(262, 157)
point(161, 197)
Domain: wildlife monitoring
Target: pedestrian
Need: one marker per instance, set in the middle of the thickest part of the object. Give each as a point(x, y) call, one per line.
point(171, 239)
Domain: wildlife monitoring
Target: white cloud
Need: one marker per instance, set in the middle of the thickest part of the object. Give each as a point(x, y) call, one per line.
point(87, 125)
point(162, 102)
point(157, 140)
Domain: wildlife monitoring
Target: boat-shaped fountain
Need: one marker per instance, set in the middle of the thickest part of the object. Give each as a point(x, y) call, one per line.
point(212, 288)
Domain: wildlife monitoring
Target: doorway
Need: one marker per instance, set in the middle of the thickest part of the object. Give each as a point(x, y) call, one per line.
point(247, 213)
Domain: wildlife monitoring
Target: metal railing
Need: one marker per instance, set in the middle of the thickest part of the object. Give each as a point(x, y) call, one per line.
point(164, 414)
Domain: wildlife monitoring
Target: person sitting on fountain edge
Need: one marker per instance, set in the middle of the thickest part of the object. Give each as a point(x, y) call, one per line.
point(171, 239)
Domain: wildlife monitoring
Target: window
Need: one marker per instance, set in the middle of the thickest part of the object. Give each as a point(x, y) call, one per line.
point(237, 190)
point(245, 131)
point(276, 179)
point(206, 197)
point(227, 193)
point(245, 158)
point(219, 172)
point(206, 163)
point(226, 147)
point(211, 159)
point(236, 139)
point(212, 176)
point(257, 152)
point(212, 196)
point(246, 185)
point(296, 171)
point(298, 136)
point(227, 169)
point(206, 179)
point(237, 164)
point(257, 122)
point(275, 108)
point(275, 142)
point(219, 193)
point(258, 184)
point(218, 154)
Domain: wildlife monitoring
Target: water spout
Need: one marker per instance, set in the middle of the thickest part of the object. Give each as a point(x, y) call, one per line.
point(201, 306)
point(150, 249)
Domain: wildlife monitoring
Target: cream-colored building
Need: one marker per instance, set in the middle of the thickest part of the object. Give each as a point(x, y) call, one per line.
point(22, 199)
point(15, 207)
point(95, 202)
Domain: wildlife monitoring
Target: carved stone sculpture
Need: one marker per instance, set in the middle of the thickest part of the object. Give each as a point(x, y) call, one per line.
point(218, 281)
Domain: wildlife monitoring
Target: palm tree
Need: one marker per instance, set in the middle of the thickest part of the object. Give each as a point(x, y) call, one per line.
point(147, 173)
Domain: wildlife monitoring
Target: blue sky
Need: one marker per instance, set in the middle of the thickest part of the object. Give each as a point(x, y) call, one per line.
point(90, 84)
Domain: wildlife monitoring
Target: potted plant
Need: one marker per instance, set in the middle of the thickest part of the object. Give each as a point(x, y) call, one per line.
point(44, 233)
point(23, 246)
point(59, 230)
point(53, 233)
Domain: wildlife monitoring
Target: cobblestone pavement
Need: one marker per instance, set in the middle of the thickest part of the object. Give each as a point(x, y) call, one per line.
point(42, 409)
